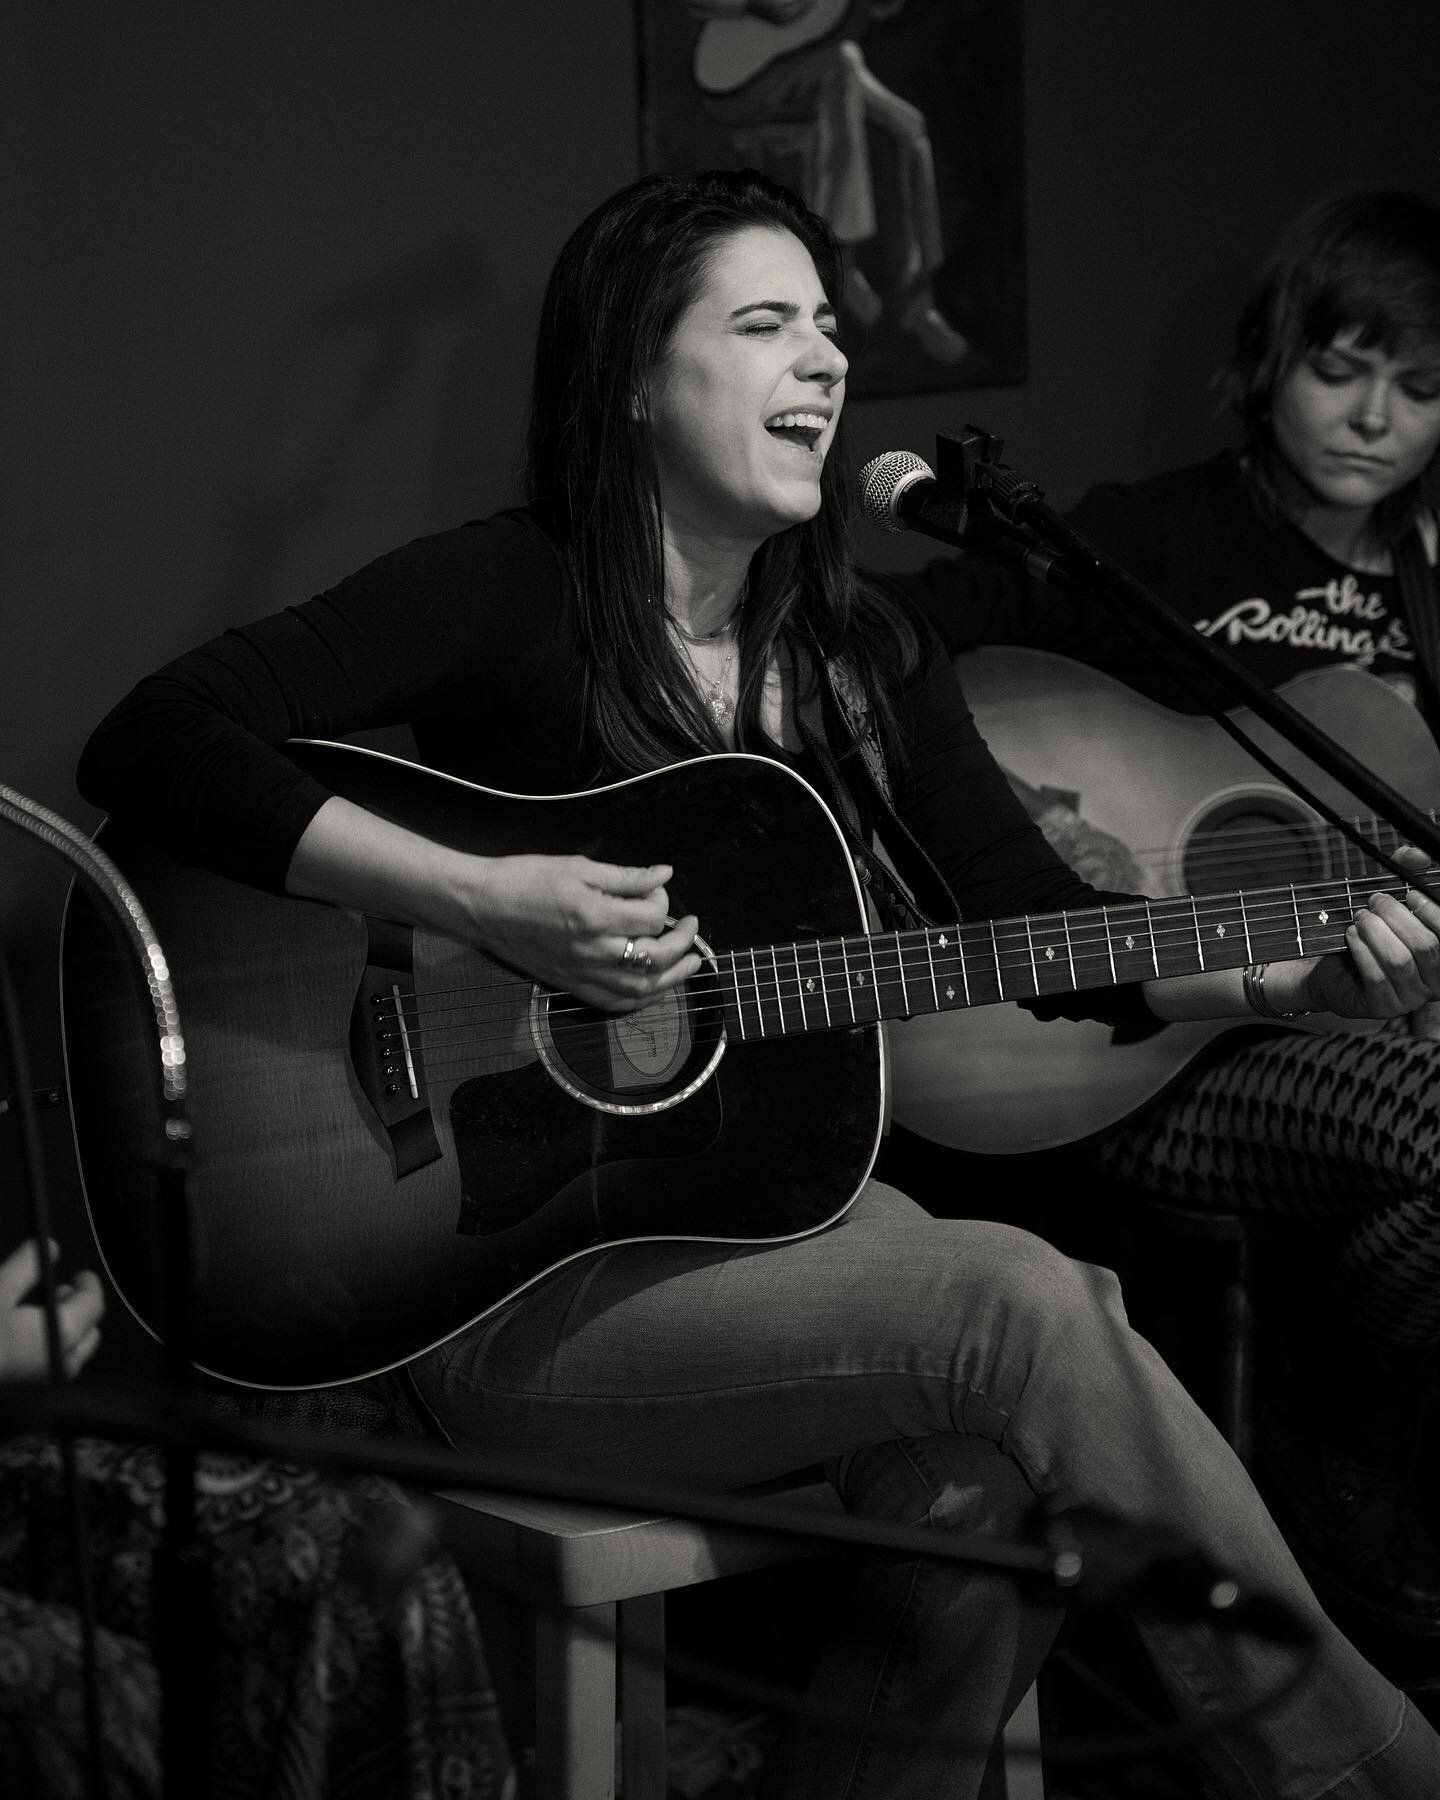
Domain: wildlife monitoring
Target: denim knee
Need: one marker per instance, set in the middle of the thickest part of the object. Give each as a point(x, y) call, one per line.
point(950, 1481)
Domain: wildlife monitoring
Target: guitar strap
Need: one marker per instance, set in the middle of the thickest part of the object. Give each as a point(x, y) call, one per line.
point(895, 900)
point(1415, 573)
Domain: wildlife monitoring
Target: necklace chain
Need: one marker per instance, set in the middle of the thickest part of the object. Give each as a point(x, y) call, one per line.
point(714, 693)
point(705, 637)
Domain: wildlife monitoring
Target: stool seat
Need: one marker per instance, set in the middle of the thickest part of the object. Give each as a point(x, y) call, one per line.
point(565, 1553)
point(596, 1578)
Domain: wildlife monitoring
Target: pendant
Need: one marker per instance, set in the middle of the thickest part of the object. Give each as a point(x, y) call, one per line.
point(721, 709)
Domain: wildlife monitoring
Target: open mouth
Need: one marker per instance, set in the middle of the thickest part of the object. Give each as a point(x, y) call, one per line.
point(802, 429)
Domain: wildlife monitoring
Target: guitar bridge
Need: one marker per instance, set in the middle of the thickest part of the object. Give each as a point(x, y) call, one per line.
point(385, 1048)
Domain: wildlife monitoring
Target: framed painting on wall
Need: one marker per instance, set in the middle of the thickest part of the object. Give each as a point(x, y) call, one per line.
point(899, 121)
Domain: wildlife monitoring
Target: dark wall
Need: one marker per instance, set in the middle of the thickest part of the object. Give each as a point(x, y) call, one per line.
point(269, 275)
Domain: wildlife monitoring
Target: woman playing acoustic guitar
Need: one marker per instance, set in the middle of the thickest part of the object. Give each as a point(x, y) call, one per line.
point(680, 587)
point(1308, 551)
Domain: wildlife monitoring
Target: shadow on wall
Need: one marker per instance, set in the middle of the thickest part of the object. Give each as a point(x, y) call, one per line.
point(1182, 417)
point(347, 367)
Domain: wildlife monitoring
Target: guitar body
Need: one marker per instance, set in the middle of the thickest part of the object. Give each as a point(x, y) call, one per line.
point(1198, 813)
point(340, 1227)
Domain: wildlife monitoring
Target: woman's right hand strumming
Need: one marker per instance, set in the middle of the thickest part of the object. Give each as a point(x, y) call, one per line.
point(565, 921)
point(593, 929)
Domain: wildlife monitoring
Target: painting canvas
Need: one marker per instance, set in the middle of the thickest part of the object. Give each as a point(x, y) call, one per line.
point(900, 121)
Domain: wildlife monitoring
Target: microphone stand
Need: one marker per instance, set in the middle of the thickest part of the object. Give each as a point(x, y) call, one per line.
point(1081, 1554)
point(1012, 511)
point(182, 1601)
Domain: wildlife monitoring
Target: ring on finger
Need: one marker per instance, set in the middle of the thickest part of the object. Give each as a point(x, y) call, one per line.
point(627, 955)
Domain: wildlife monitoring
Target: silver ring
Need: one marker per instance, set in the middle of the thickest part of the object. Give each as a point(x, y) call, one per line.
point(642, 962)
point(627, 955)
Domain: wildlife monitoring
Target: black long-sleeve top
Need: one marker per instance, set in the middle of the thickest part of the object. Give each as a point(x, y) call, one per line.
point(471, 638)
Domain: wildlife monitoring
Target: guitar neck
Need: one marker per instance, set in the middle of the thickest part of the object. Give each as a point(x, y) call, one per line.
point(828, 984)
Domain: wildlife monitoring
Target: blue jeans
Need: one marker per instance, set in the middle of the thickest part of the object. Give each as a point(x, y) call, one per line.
point(951, 1371)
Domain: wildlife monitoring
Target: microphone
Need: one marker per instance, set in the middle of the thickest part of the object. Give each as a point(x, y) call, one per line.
point(899, 491)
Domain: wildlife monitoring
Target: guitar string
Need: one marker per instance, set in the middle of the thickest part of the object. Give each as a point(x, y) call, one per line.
point(1164, 922)
point(1251, 905)
point(1309, 836)
point(1225, 857)
point(1096, 926)
point(768, 1007)
point(765, 989)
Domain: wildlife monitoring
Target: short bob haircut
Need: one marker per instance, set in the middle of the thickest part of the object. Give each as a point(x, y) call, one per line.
point(615, 296)
point(1366, 260)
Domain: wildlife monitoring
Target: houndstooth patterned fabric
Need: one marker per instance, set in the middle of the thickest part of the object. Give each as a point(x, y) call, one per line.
point(1320, 1128)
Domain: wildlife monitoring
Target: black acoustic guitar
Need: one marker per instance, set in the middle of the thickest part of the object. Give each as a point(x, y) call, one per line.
point(395, 1133)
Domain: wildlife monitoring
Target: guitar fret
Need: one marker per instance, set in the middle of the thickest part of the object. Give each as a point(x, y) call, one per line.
point(1109, 941)
point(849, 988)
point(1216, 918)
point(900, 963)
point(861, 984)
point(952, 962)
point(799, 988)
point(1199, 941)
point(810, 979)
point(1051, 953)
point(930, 963)
point(779, 1002)
point(733, 960)
point(1132, 947)
point(759, 996)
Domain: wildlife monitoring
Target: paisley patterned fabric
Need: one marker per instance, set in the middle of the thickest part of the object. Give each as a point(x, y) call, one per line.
point(346, 1658)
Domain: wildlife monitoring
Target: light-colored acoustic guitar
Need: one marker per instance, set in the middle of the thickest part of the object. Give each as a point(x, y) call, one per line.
point(1198, 815)
point(731, 53)
point(393, 1133)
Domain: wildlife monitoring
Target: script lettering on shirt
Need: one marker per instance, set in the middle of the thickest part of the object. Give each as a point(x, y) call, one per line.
point(1335, 619)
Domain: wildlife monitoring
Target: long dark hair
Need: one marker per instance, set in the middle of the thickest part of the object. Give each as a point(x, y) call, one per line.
point(615, 296)
point(1366, 260)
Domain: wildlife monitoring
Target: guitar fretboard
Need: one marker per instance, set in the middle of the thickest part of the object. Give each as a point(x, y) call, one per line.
point(827, 984)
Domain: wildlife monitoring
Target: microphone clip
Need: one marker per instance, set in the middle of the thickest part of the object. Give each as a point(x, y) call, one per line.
point(968, 463)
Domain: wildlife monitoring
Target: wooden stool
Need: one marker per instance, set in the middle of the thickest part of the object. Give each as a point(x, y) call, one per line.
point(597, 1579)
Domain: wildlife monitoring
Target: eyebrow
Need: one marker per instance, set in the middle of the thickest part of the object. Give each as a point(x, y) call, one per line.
point(787, 309)
point(1360, 356)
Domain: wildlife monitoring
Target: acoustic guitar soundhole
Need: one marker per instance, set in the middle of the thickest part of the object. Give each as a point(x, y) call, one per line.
point(1251, 842)
point(632, 1062)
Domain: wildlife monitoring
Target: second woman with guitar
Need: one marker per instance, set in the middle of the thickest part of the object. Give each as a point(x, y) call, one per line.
point(1308, 552)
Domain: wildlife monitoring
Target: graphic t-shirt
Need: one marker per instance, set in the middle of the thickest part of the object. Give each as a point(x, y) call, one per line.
point(1258, 586)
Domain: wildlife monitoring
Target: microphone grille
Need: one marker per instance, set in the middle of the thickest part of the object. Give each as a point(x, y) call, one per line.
point(884, 479)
